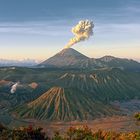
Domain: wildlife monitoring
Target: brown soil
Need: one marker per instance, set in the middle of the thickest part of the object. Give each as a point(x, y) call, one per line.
point(115, 123)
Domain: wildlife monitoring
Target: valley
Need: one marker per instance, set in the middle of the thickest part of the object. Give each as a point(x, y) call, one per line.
point(99, 95)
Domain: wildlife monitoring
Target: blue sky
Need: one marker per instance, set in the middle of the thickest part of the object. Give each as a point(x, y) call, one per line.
point(37, 29)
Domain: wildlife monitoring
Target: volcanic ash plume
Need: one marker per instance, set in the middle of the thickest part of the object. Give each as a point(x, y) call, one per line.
point(14, 87)
point(82, 31)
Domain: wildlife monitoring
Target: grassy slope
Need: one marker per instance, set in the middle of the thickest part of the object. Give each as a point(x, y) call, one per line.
point(91, 91)
point(65, 104)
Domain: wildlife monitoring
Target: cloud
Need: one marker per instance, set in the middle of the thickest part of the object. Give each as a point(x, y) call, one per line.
point(40, 28)
point(118, 28)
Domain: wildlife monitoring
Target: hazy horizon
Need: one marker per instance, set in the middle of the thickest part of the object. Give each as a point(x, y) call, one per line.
point(34, 60)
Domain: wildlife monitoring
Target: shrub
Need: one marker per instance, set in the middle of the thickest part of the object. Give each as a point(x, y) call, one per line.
point(23, 134)
point(57, 136)
point(73, 133)
point(137, 116)
point(82, 133)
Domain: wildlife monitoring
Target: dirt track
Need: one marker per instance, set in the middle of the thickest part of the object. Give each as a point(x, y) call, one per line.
point(116, 123)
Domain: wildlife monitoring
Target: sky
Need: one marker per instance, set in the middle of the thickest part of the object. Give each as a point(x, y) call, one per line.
point(37, 29)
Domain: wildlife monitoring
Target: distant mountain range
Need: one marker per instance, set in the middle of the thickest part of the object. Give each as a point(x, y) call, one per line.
point(21, 63)
point(70, 58)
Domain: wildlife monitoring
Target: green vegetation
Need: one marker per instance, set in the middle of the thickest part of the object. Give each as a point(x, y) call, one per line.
point(22, 133)
point(86, 93)
point(137, 116)
point(82, 133)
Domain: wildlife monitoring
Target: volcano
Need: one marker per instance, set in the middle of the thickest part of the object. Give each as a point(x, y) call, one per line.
point(64, 104)
point(67, 58)
point(70, 58)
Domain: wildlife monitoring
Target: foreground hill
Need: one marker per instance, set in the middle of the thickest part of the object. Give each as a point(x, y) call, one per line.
point(81, 132)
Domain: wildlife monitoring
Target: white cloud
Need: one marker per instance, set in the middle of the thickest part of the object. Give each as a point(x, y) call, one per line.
point(40, 28)
point(118, 28)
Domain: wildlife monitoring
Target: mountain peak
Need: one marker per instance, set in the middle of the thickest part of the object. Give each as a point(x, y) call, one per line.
point(66, 58)
point(71, 59)
point(107, 58)
point(70, 52)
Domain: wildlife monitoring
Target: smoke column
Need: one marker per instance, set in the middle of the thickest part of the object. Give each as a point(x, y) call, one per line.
point(82, 31)
point(14, 87)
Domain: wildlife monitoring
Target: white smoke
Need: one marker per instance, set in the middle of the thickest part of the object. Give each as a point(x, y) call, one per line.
point(82, 31)
point(14, 87)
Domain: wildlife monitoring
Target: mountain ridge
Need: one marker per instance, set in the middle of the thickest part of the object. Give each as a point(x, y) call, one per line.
point(70, 58)
point(88, 91)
